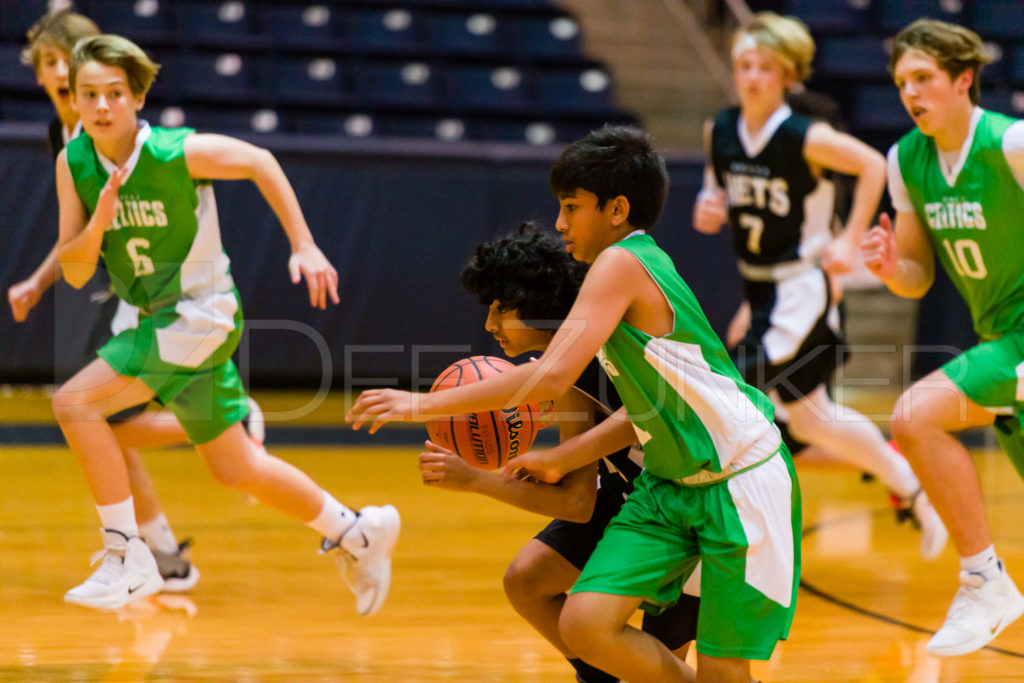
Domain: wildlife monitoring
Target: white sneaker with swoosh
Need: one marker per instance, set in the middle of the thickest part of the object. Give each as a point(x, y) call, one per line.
point(127, 572)
point(980, 611)
point(363, 555)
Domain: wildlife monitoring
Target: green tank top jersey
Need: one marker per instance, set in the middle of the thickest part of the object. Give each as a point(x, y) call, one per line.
point(164, 242)
point(976, 225)
point(691, 409)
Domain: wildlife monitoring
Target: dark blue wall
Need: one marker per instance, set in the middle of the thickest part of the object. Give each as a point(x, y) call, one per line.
point(397, 221)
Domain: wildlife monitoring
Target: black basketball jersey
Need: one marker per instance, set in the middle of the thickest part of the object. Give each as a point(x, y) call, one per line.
point(617, 471)
point(778, 210)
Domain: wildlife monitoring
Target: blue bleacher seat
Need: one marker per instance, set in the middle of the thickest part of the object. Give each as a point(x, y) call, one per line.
point(231, 119)
point(830, 16)
point(348, 123)
point(438, 127)
point(390, 30)
point(547, 37)
point(14, 74)
point(147, 22)
point(496, 88)
point(1015, 65)
point(305, 26)
point(848, 57)
point(397, 82)
point(893, 16)
point(223, 76)
point(575, 89)
point(997, 19)
point(226, 24)
point(312, 80)
point(468, 34)
point(878, 107)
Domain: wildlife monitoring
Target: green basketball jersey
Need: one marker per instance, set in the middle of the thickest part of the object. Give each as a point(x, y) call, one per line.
point(691, 409)
point(976, 225)
point(164, 242)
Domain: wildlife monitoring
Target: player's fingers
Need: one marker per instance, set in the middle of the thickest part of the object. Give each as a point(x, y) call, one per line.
point(885, 221)
point(332, 284)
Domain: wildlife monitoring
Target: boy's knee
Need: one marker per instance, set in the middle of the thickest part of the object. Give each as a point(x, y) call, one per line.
point(580, 629)
point(521, 581)
point(67, 408)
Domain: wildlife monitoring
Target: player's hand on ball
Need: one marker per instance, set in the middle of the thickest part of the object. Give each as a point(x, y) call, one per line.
point(879, 249)
point(380, 406)
point(444, 469)
point(321, 278)
point(534, 464)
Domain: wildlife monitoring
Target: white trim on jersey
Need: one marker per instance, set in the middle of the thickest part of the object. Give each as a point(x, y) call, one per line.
point(737, 428)
point(140, 139)
point(755, 144)
point(799, 302)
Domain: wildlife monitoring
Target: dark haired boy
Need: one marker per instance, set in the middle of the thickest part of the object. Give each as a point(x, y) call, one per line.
point(719, 486)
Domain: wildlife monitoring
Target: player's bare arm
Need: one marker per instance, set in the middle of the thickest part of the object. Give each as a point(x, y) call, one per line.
point(709, 211)
point(219, 157)
point(900, 256)
point(606, 297)
point(825, 147)
point(612, 435)
point(81, 236)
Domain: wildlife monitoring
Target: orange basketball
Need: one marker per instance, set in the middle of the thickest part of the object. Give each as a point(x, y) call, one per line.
point(486, 440)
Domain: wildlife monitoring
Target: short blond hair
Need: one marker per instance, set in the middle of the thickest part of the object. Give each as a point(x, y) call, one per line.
point(115, 51)
point(955, 49)
point(61, 29)
point(787, 37)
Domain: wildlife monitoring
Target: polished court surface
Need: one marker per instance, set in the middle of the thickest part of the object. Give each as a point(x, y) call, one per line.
point(269, 608)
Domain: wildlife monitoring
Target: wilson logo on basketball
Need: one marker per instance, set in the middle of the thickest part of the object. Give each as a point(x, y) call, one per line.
point(487, 439)
point(514, 423)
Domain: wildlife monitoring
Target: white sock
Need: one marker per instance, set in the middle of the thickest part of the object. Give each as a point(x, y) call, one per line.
point(854, 439)
point(986, 563)
point(158, 535)
point(334, 519)
point(120, 517)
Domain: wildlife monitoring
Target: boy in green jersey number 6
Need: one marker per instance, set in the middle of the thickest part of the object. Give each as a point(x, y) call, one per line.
point(718, 485)
point(957, 184)
point(141, 197)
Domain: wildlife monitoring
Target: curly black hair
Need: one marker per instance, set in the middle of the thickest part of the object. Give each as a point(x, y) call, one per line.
point(529, 271)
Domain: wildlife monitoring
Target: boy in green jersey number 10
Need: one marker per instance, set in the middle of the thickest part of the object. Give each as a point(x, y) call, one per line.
point(718, 485)
point(957, 184)
point(141, 197)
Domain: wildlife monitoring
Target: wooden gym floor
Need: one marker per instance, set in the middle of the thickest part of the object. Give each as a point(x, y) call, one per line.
point(268, 608)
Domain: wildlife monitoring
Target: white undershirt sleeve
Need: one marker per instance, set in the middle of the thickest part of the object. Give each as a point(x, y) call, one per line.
point(1013, 149)
point(897, 188)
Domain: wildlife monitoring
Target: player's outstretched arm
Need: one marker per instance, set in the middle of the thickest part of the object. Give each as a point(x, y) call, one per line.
point(826, 147)
point(901, 257)
point(219, 157)
point(81, 236)
point(605, 296)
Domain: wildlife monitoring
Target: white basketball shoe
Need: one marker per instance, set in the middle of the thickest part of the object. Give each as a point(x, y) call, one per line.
point(127, 572)
point(363, 554)
point(980, 611)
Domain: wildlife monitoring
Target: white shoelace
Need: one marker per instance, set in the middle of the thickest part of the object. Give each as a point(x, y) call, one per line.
point(110, 571)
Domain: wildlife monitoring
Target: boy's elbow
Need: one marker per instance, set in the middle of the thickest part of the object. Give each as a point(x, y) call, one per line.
point(582, 508)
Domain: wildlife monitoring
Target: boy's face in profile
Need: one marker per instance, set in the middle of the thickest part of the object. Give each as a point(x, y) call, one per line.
point(586, 229)
point(52, 74)
point(514, 336)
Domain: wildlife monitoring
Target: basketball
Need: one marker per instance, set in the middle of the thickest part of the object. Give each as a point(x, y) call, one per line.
point(486, 440)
